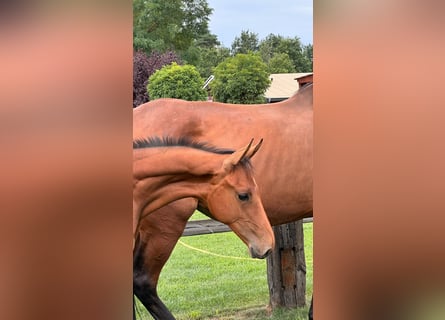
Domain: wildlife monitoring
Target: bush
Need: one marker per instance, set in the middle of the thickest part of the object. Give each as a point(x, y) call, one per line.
point(175, 81)
point(241, 79)
point(143, 68)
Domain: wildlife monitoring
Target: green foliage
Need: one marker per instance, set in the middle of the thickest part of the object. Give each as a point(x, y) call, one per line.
point(308, 53)
point(175, 81)
point(301, 56)
point(205, 58)
point(241, 79)
point(144, 67)
point(245, 43)
point(280, 63)
point(182, 26)
point(169, 25)
point(207, 40)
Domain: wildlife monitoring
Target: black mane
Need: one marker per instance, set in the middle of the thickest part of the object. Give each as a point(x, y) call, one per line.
point(156, 142)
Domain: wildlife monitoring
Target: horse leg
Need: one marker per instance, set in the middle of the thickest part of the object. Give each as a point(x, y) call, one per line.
point(145, 288)
point(159, 233)
point(311, 309)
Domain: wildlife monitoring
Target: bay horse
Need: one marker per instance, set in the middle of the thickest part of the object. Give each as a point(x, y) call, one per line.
point(168, 169)
point(283, 170)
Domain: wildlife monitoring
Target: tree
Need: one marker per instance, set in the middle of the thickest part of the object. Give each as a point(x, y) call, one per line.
point(207, 40)
point(210, 58)
point(247, 42)
point(205, 59)
point(299, 54)
point(168, 25)
point(241, 79)
point(175, 81)
point(308, 53)
point(143, 68)
point(269, 46)
point(280, 63)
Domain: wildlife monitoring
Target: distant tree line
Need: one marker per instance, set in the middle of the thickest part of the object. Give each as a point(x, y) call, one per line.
point(176, 31)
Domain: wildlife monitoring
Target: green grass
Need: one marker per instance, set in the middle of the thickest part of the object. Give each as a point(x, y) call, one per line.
point(198, 216)
point(197, 285)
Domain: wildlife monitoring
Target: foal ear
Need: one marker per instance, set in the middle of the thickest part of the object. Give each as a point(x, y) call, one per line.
point(254, 149)
point(246, 152)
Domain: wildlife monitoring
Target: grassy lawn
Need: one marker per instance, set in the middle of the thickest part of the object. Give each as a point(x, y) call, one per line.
point(223, 282)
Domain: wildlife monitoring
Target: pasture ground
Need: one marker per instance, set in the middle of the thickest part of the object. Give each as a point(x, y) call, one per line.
point(213, 277)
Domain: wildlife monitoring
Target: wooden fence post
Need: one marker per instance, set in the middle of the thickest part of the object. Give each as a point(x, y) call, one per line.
point(286, 267)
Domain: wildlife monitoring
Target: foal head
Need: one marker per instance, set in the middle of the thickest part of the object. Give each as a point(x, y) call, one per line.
point(234, 200)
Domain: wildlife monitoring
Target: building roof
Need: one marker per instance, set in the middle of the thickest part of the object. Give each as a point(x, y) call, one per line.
point(283, 85)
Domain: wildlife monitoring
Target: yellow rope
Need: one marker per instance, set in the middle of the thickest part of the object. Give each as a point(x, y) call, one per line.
point(216, 254)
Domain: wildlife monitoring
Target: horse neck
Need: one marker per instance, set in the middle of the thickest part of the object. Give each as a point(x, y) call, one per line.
point(154, 193)
point(174, 161)
point(163, 176)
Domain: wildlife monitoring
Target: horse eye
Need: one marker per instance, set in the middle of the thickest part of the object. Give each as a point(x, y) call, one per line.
point(243, 196)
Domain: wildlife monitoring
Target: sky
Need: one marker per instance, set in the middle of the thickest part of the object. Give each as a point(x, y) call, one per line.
point(288, 18)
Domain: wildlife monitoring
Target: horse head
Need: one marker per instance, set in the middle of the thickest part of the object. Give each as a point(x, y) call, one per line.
point(234, 200)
